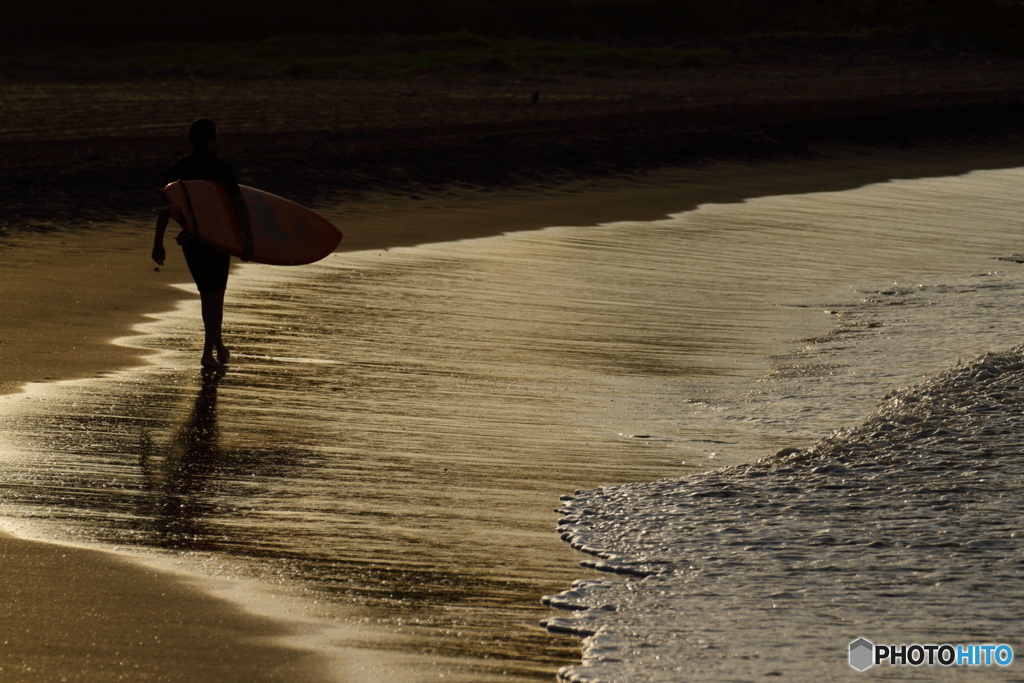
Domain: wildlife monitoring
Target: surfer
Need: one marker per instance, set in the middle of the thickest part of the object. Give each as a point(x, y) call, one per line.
point(209, 266)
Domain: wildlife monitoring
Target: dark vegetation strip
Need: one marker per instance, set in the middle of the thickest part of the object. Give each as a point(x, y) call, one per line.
point(120, 22)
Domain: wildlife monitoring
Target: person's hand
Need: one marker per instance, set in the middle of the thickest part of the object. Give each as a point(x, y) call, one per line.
point(159, 254)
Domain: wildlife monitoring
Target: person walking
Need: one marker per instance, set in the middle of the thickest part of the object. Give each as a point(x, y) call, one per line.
point(209, 266)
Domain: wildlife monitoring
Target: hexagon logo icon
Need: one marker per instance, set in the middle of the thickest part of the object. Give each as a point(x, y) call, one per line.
point(862, 654)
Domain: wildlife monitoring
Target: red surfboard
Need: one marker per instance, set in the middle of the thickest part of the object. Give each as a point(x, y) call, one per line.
point(284, 233)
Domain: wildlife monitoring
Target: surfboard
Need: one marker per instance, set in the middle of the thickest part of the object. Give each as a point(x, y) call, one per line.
point(284, 233)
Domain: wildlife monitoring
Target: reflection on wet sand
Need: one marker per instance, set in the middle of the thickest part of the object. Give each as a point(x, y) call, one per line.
point(175, 477)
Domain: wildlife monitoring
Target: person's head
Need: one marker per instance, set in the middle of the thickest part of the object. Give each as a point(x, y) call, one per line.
point(202, 135)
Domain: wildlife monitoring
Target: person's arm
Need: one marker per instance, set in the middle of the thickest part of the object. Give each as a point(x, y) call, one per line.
point(242, 217)
point(159, 254)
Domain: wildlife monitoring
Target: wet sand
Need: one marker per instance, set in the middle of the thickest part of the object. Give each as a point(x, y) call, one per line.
point(73, 614)
point(61, 312)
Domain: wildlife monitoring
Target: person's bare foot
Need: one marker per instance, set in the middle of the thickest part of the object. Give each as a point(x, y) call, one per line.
point(223, 354)
point(211, 363)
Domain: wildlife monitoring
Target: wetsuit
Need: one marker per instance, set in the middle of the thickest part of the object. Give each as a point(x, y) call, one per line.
point(209, 266)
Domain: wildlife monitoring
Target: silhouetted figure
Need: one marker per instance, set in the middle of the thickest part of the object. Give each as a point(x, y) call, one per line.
point(208, 266)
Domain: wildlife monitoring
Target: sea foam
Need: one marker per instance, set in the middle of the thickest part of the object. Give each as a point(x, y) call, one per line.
point(904, 529)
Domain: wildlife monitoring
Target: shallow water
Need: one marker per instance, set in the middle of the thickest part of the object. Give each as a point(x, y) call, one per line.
point(398, 425)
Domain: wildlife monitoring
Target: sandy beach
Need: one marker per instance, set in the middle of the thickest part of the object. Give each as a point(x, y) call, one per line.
point(73, 614)
point(73, 282)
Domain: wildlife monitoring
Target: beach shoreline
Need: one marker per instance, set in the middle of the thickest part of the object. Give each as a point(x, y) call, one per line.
point(63, 311)
point(71, 290)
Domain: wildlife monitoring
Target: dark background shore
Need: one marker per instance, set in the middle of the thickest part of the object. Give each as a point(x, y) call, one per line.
point(79, 149)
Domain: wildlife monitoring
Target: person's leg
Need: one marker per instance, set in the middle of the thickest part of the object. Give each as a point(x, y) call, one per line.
point(215, 354)
point(209, 268)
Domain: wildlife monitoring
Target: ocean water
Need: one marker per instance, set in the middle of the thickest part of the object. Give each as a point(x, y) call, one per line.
point(398, 425)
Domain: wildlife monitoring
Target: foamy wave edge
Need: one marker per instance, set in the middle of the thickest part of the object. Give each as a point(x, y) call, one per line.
point(943, 431)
